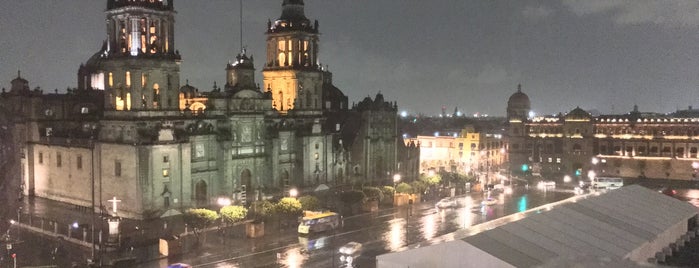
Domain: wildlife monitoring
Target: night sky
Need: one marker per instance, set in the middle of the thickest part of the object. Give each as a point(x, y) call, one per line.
point(597, 54)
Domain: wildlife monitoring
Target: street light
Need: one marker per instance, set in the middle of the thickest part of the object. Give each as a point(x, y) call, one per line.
point(293, 192)
point(396, 179)
point(223, 201)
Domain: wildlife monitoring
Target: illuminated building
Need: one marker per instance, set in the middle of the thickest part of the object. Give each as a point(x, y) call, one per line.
point(468, 152)
point(133, 132)
point(631, 145)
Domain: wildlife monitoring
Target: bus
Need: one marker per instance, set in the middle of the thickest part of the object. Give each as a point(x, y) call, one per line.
point(315, 221)
point(607, 183)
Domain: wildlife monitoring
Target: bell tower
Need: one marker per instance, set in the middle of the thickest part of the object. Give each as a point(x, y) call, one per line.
point(292, 73)
point(138, 66)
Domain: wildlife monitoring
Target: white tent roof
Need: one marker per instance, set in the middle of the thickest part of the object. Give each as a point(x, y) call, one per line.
point(609, 227)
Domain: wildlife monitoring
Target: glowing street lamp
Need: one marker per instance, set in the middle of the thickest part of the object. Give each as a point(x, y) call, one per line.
point(396, 179)
point(223, 201)
point(293, 192)
point(595, 160)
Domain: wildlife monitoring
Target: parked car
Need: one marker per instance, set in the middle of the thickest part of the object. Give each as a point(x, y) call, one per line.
point(446, 203)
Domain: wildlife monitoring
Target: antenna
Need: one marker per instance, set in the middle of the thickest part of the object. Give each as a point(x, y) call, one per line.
point(241, 25)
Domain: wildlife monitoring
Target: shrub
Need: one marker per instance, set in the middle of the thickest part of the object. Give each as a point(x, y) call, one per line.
point(200, 218)
point(373, 193)
point(388, 191)
point(309, 202)
point(233, 214)
point(288, 206)
point(352, 197)
point(261, 210)
point(404, 188)
point(419, 186)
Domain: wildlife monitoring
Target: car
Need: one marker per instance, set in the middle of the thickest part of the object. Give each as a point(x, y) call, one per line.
point(446, 203)
point(667, 191)
point(546, 184)
point(350, 251)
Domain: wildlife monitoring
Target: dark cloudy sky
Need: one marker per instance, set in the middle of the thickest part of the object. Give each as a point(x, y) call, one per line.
point(597, 54)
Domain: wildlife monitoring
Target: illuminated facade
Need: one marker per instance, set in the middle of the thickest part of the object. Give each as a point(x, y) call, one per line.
point(292, 73)
point(631, 145)
point(468, 152)
point(130, 130)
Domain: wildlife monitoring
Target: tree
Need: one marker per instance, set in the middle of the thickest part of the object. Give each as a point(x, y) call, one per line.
point(431, 180)
point(309, 202)
point(373, 193)
point(404, 188)
point(352, 197)
point(200, 218)
point(388, 191)
point(261, 210)
point(233, 214)
point(419, 186)
point(289, 207)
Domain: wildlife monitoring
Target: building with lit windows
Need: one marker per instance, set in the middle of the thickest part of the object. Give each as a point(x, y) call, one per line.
point(580, 145)
point(130, 130)
point(468, 152)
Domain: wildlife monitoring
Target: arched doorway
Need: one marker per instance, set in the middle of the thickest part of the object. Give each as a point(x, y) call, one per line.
point(200, 193)
point(284, 180)
point(246, 180)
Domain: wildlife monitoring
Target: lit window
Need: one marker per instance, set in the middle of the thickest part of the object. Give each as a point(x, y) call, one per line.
point(84, 110)
point(166, 172)
point(558, 160)
point(128, 79)
point(111, 80)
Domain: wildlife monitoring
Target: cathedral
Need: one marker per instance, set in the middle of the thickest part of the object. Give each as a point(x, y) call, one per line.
point(131, 130)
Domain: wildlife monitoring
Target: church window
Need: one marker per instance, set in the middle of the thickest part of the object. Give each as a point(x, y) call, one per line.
point(117, 168)
point(58, 160)
point(128, 79)
point(166, 173)
point(128, 101)
point(79, 162)
point(111, 79)
point(317, 146)
point(316, 156)
point(166, 158)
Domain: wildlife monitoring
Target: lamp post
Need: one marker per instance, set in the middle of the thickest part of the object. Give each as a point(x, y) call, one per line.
point(396, 179)
point(293, 192)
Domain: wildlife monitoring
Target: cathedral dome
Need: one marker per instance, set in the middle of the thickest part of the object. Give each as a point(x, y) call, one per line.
point(519, 100)
point(152, 4)
point(293, 18)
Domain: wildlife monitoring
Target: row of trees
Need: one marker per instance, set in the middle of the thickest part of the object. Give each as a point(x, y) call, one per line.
point(259, 211)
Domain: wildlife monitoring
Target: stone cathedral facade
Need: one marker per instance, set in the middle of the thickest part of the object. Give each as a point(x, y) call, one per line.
point(132, 131)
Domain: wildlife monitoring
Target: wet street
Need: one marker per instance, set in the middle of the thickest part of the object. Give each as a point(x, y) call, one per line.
point(385, 231)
